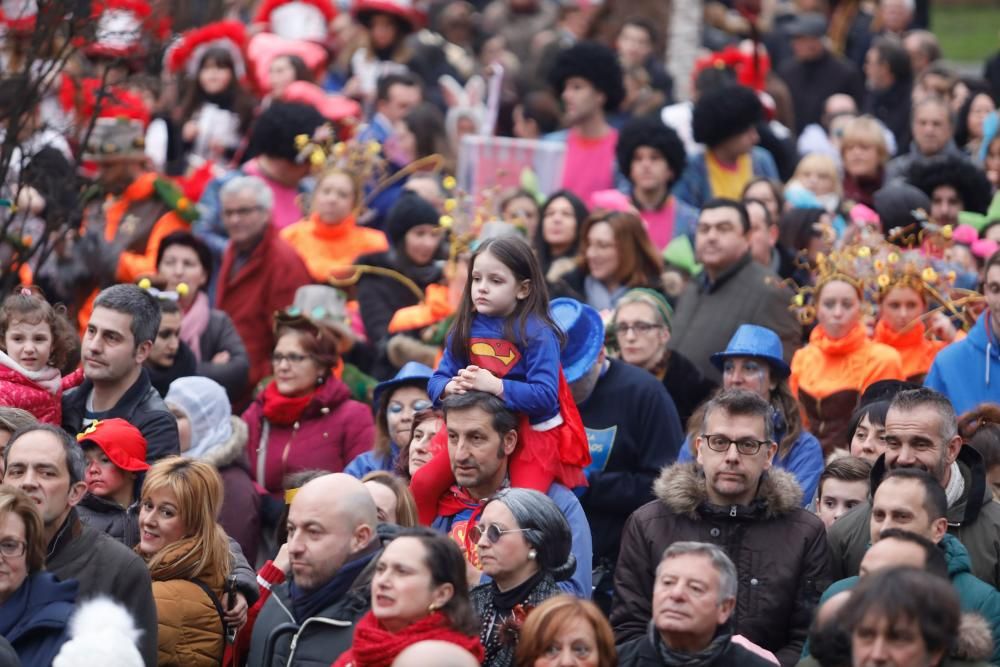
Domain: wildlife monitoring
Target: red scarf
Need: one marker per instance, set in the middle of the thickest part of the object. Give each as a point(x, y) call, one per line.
point(374, 646)
point(283, 410)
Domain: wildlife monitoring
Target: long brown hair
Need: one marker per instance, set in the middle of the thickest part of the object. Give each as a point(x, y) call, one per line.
point(514, 253)
point(638, 263)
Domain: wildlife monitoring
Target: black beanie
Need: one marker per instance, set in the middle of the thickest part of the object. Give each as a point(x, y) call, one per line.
point(409, 211)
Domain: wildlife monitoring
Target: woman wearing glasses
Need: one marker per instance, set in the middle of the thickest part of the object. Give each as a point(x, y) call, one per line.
point(641, 326)
point(523, 543)
point(753, 361)
point(396, 402)
point(304, 418)
point(34, 606)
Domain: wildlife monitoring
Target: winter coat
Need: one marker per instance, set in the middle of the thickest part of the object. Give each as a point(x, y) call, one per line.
point(708, 314)
point(973, 593)
point(279, 640)
point(140, 406)
point(686, 385)
point(221, 335)
point(371, 462)
point(968, 372)
point(190, 628)
point(103, 566)
point(331, 431)
point(641, 652)
point(572, 284)
point(250, 294)
point(974, 519)
point(240, 513)
point(815, 80)
point(694, 187)
point(892, 107)
point(35, 618)
point(899, 166)
point(779, 549)
point(17, 390)
point(110, 518)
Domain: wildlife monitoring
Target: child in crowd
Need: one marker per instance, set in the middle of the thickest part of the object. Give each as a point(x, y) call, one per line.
point(818, 174)
point(504, 342)
point(843, 485)
point(36, 341)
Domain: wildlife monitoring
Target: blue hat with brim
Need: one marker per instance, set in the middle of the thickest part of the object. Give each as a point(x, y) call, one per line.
point(412, 373)
point(584, 331)
point(751, 340)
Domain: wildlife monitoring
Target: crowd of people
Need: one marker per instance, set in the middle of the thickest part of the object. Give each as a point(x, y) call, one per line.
point(296, 373)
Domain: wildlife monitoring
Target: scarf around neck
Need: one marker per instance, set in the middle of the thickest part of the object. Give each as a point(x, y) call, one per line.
point(195, 322)
point(852, 341)
point(306, 604)
point(703, 658)
point(47, 378)
point(374, 646)
point(283, 410)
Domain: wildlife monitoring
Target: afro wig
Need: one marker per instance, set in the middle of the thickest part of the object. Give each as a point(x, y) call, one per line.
point(275, 129)
point(650, 131)
point(725, 112)
point(597, 64)
point(968, 180)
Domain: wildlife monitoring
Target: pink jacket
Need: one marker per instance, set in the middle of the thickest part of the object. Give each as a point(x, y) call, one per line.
point(40, 395)
point(332, 430)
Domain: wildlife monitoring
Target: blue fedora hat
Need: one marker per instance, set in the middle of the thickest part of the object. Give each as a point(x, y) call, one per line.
point(412, 373)
point(584, 330)
point(751, 340)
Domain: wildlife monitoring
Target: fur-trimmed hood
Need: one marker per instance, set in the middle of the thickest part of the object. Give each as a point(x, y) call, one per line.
point(231, 451)
point(974, 641)
point(682, 488)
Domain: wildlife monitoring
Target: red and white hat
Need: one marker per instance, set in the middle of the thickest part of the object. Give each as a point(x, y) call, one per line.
point(123, 28)
point(264, 47)
point(19, 16)
point(404, 9)
point(297, 19)
point(186, 53)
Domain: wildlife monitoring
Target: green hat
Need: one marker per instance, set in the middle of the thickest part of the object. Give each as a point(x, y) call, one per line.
point(680, 253)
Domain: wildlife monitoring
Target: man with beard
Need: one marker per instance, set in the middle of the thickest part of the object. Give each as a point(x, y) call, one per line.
point(123, 224)
point(921, 431)
point(731, 497)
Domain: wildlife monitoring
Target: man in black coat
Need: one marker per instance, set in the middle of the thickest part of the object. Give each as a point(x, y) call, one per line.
point(889, 78)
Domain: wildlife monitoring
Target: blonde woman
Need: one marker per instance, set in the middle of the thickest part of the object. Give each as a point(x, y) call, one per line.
point(864, 154)
point(188, 558)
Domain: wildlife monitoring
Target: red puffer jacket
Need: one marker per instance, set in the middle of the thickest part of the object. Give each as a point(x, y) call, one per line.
point(17, 390)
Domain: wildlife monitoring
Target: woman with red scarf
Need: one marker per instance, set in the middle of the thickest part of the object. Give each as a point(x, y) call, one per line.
point(419, 592)
point(304, 419)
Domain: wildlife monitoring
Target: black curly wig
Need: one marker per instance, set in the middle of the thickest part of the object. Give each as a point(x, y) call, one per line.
point(968, 180)
point(597, 64)
point(273, 133)
point(725, 112)
point(650, 131)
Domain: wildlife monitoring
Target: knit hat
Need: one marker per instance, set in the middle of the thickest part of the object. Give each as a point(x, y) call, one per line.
point(410, 211)
point(723, 113)
point(594, 62)
point(207, 407)
point(123, 443)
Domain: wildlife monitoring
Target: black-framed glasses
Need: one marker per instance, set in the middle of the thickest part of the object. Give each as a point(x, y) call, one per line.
point(13, 548)
point(623, 328)
point(493, 532)
point(396, 407)
point(241, 212)
point(292, 358)
point(745, 446)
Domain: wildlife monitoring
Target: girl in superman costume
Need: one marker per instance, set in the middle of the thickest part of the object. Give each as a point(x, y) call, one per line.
point(504, 342)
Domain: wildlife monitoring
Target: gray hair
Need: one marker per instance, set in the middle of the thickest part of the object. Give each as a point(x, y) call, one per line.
point(137, 302)
point(545, 529)
point(265, 198)
point(76, 462)
point(743, 403)
point(923, 398)
point(720, 561)
point(14, 419)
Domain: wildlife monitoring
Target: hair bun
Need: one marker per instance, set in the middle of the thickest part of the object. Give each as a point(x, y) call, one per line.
point(564, 571)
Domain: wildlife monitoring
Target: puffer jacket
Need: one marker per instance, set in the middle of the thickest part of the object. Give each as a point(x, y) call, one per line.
point(779, 550)
point(332, 430)
point(240, 513)
point(974, 519)
point(107, 516)
point(39, 392)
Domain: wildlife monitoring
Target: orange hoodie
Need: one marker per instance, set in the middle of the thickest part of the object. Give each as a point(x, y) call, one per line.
point(829, 375)
point(915, 349)
point(324, 247)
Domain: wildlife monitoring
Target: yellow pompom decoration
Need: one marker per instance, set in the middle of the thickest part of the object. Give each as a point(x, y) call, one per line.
point(864, 251)
point(301, 140)
point(183, 289)
point(893, 257)
point(339, 148)
point(883, 281)
point(446, 221)
point(946, 232)
point(374, 148)
point(799, 300)
point(929, 274)
point(449, 183)
point(450, 205)
point(145, 283)
point(317, 159)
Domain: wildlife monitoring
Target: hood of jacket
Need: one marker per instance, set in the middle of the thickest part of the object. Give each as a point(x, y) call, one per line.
point(233, 450)
point(981, 338)
point(331, 394)
point(956, 555)
point(977, 492)
point(974, 640)
point(683, 489)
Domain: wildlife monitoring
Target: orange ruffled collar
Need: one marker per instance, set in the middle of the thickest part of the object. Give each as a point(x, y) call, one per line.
point(901, 340)
point(332, 232)
point(852, 342)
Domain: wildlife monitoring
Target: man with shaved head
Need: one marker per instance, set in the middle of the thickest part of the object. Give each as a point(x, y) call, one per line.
point(331, 550)
point(435, 652)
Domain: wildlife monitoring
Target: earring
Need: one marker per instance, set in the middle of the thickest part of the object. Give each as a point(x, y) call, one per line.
point(532, 554)
point(431, 608)
point(319, 380)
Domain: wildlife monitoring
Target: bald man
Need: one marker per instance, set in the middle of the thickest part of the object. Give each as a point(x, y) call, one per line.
point(331, 549)
point(437, 653)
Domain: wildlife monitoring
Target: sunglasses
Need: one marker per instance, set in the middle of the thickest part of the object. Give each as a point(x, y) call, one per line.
point(493, 532)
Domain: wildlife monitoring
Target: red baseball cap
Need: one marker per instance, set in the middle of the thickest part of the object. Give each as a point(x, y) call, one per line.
point(123, 443)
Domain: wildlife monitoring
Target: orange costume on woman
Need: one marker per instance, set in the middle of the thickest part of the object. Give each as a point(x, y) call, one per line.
point(916, 351)
point(829, 376)
point(325, 247)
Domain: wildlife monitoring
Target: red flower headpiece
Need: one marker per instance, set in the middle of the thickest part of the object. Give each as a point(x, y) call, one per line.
point(748, 73)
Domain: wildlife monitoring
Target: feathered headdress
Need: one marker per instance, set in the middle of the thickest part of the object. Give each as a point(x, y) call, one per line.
point(297, 19)
point(186, 53)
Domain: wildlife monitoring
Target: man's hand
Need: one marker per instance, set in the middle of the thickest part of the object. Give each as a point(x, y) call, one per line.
point(474, 378)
